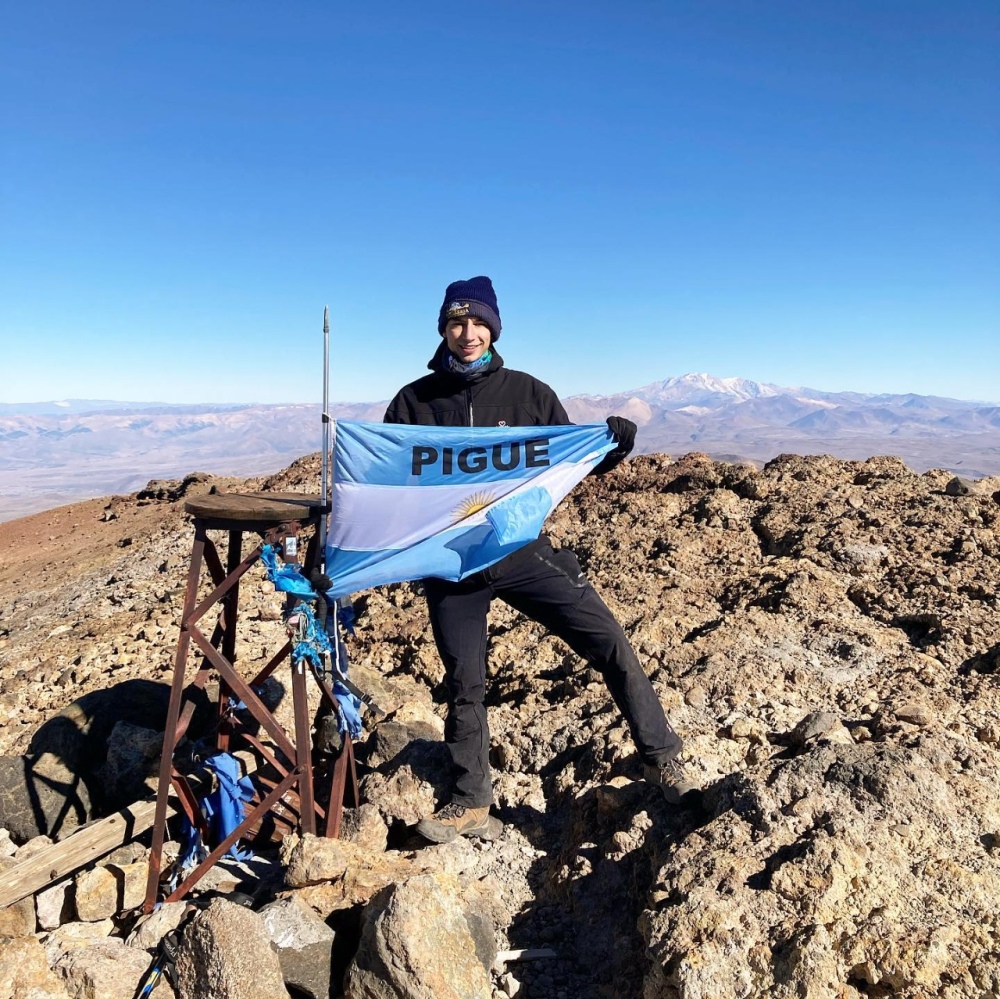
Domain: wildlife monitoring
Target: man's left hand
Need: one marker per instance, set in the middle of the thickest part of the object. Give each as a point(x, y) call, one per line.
point(624, 433)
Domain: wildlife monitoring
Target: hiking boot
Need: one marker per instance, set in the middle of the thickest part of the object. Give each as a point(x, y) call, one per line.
point(454, 820)
point(676, 781)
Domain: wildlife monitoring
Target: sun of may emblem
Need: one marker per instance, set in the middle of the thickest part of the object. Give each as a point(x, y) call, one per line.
point(473, 503)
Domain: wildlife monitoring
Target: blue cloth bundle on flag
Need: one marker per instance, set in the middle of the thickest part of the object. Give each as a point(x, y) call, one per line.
point(412, 501)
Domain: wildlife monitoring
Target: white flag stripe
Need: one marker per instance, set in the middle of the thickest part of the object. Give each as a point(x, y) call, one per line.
point(370, 518)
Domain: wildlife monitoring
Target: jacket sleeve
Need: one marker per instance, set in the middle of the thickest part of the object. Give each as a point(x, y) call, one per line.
point(553, 413)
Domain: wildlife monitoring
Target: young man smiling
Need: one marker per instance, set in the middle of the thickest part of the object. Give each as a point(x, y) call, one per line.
point(470, 386)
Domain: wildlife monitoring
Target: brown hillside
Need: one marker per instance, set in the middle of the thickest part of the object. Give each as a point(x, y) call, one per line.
point(824, 634)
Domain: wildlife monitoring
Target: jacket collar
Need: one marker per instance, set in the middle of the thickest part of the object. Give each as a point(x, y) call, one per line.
point(437, 364)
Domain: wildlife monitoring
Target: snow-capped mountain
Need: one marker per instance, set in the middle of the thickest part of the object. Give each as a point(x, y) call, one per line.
point(700, 389)
point(52, 453)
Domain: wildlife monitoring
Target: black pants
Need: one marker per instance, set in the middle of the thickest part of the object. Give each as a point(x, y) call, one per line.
point(550, 588)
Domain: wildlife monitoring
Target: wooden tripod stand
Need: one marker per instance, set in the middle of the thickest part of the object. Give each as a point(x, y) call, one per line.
point(290, 797)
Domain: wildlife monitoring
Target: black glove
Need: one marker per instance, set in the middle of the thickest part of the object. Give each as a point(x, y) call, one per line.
point(624, 434)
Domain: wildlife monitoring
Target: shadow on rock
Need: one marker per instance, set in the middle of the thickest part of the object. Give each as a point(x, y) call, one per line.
point(600, 849)
point(985, 662)
point(89, 760)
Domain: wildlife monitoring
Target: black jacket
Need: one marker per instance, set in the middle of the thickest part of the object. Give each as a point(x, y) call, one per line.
point(495, 397)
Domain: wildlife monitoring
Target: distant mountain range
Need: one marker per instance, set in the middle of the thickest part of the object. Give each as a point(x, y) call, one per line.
point(57, 452)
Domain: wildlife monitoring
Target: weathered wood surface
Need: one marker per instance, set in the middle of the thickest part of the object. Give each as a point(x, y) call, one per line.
point(263, 507)
point(93, 841)
point(86, 844)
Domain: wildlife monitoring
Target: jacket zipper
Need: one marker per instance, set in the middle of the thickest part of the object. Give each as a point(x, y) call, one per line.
point(468, 396)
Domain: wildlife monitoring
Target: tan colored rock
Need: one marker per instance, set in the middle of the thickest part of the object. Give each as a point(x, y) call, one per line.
point(96, 894)
point(348, 873)
point(152, 928)
point(54, 905)
point(25, 972)
point(70, 936)
point(400, 795)
point(365, 827)
point(131, 883)
point(103, 970)
point(422, 712)
point(405, 931)
point(225, 953)
point(915, 713)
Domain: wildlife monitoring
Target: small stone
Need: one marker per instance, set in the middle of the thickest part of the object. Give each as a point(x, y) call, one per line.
point(510, 985)
point(270, 611)
point(915, 713)
point(696, 697)
point(815, 725)
point(740, 729)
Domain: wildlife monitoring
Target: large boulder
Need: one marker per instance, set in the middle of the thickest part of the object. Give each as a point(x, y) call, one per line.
point(67, 777)
point(42, 795)
point(226, 953)
point(25, 972)
point(423, 939)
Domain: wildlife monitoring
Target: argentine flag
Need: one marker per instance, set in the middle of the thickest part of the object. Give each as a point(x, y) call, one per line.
point(413, 501)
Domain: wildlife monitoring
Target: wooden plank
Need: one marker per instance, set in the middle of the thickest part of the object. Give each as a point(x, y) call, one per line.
point(91, 842)
point(84, 846)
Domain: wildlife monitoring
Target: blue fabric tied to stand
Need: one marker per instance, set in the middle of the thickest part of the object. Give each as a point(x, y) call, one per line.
point(310, 649)
point(314, 641)
point(286, 578)
point(223, 810)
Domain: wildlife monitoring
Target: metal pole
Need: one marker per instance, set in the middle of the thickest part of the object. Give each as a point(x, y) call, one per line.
point(325, 465)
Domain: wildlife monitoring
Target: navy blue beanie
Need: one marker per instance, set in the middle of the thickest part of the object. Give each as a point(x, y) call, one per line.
point(474, 297)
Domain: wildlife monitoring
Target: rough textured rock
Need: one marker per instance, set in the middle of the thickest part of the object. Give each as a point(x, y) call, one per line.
point(96, 894)
point(25, 972)
point(54, 905)
point(41, 794)
point(418, 943)
point(304, 944)
point(348, 873)
point(71, 936)
point(225, 953)
point(104, 970)
point(133, 756)
point(365, 827)
point(154, 927)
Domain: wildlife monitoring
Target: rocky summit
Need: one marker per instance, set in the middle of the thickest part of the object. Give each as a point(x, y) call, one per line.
point(824, 634)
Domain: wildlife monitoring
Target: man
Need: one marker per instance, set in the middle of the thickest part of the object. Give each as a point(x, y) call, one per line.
point(469, 386)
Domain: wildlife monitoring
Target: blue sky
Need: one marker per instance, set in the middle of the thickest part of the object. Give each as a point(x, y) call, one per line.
point(800, 193)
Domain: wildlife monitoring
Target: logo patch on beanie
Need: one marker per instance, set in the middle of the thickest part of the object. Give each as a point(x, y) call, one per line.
point(456, 309)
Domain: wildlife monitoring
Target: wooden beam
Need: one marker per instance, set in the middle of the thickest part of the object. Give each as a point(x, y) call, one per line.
point(93, 841)
point(86, 844)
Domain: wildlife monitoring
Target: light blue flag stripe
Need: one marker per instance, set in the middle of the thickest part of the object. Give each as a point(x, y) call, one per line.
point(450, 518)
point(395, 454)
